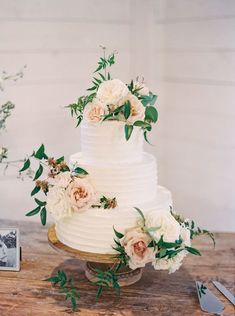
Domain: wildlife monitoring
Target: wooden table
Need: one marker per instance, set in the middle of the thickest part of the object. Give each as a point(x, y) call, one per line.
point(157, 293)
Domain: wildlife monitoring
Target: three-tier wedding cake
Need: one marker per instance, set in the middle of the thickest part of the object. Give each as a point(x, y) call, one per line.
point(107, 200)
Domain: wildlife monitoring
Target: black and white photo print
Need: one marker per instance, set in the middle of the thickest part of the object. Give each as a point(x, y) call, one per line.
point(9, 249)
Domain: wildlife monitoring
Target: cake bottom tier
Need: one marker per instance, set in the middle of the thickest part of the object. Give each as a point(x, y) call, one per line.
point(92, 230)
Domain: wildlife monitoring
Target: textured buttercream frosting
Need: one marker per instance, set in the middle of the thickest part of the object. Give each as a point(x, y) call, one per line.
point(92, 231)
point(105, 142)
point(117, 168)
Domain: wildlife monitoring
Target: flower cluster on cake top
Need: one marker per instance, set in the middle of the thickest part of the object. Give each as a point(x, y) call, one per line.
point(113, 100)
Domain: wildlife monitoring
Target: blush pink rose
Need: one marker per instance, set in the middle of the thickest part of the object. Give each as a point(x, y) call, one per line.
point(81, 194)
point(136, 244)
point(94, 111)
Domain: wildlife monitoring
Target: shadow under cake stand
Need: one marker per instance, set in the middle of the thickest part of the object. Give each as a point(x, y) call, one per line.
point(94, 261)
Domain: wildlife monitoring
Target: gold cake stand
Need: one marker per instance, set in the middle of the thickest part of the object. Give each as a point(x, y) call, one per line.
point(94, 261)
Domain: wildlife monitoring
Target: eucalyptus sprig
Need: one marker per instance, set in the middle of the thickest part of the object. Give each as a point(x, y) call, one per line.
point(66, 286)
point(101, 75)
point(77, 108)
point(107, 279)
point(194, 229)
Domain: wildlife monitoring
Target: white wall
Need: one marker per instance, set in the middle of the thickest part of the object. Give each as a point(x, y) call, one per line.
point(198, 143)
point(185, 50)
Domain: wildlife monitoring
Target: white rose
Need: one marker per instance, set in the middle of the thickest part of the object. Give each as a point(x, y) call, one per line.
point(58, 204)
point(137, 108)
point(171, 264)
point(141, 87)
point(62, 179)
point(110, 92)
point(136, 243)
point(167, 226)
point(94, 111)
point(81, 194)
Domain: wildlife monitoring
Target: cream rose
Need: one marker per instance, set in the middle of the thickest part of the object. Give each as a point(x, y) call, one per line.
point(110, 92)
point(141, 87)
point(171, 264)
point(62, 179)
point(80, 193)
point(136, 243)
point(94, 111)
point(58, 204)
point(169, 228)
point(137, 108)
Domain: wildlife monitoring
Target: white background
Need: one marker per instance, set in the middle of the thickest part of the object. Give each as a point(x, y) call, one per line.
point(185, 50)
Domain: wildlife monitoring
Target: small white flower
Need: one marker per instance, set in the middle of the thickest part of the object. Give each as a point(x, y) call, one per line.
point(136, 243)
point(81, 194)
point(58, 204)
point(94, 111)
point(141, 87)
point(110, 92)
point(169, 228)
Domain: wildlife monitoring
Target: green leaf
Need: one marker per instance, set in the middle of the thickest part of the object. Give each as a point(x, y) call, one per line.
point(53, 279)
point(59, 160)
point(43, 216)
point(142, 124)
point(127, 109)
point(40, 203)
point(25, 166)
point(35, 190)
point(92, 89)
point(146, 138)
point(74, 303)
point(102, 76)
point(193, 251)
point(40, 153)
point(128, 131)
point(34, 212)
point(99, 292)
point(98, 68)
point(80, 171)
point(151, 114)
point(38, 172)
point(118, 234)
point(140, 212)
point(162, 252)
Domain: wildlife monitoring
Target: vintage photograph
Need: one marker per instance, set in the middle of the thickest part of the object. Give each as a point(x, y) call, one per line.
point(9, 249)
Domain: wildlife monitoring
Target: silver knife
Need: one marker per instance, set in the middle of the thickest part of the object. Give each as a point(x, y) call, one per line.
point(224, 291)
point(208, 301)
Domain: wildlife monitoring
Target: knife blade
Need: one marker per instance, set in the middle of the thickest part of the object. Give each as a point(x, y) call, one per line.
point(208, 301)
point(224, 291)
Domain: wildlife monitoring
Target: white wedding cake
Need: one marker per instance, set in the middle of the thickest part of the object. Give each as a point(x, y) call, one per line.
point(117, 168)
point(107, 200)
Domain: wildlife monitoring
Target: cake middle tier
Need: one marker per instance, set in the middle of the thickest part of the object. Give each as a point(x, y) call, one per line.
point(130, 183)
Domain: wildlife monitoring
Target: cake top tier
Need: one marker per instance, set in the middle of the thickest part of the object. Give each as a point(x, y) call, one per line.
point(105, 142)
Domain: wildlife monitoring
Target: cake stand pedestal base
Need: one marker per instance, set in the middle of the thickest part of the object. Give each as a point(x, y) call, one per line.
point(94, 261)
point(125, 275)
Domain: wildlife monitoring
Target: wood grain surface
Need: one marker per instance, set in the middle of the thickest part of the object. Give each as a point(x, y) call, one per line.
point(25, 293)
